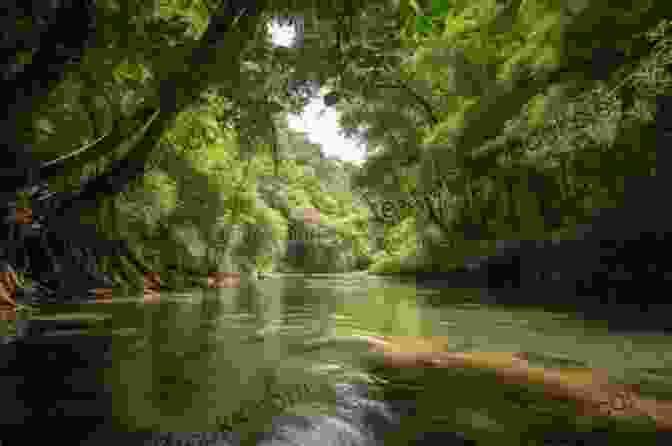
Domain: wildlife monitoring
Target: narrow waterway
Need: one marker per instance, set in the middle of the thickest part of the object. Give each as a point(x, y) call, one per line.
point(200, 360)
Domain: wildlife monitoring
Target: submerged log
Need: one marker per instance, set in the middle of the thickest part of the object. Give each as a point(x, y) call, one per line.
point(224, 280)
point(589, 388)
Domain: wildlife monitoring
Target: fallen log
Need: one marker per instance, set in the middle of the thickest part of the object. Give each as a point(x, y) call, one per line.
point(224, 280)
point(589, 388)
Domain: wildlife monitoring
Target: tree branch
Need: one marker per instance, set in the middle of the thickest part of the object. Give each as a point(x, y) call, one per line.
point(101, 147)
point(234, 25)
point(429, 110)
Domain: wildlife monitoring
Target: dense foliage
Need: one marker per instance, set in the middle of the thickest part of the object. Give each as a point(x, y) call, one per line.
point(522, 136)
point(153, 123)
point(164, 123)
point(503, 120)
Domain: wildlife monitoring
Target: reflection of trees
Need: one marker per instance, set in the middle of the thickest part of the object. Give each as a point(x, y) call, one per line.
point(392, 310)
point(136, 390)
point(211, 308)
point(182, 360)
point(325, 324)
point(203, 348)
point(267, 308)
point(270, 317)
point(259, 373)
point(247, 301)
point(297, 295)
point(168, 371)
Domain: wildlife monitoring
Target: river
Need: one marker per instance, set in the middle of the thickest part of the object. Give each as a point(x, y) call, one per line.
point(197, 360)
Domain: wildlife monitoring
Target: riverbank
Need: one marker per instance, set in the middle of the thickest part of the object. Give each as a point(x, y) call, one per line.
point(601, 272)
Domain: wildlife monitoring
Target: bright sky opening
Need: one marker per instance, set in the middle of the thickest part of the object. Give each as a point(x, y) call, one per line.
point(319, 122)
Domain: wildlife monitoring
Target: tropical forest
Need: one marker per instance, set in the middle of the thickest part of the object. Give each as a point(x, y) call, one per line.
point(164, 222)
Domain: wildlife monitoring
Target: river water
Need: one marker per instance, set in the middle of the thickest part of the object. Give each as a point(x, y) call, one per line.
point(199, 360)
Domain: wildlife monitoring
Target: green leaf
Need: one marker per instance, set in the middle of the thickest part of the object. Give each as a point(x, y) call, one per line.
point(423, 24)
point(440, 8)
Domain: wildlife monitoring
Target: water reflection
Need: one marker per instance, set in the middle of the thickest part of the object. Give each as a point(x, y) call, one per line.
point(190, 360)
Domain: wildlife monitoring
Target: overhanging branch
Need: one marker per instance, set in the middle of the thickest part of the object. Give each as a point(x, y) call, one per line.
point(234, 25)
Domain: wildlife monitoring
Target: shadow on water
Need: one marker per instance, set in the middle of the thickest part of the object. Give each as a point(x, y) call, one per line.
point(597, 307)
point(277, 362)
point(53, 374)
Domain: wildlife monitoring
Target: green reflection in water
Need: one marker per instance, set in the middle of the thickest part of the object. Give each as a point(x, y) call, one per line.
point(191, 360)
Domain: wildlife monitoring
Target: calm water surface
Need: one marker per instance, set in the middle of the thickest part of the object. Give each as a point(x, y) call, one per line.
point(194, 360)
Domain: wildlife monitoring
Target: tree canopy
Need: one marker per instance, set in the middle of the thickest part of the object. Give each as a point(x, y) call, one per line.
point(514, 109)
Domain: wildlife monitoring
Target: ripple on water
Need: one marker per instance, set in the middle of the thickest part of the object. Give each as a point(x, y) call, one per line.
point(551, 359)
point(236, 316)
point(506, 322)
point(450, 324)
point(71, 317)
point(549, 339)
point(67, 332)
point(322, 369)
point(125, 331)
